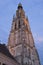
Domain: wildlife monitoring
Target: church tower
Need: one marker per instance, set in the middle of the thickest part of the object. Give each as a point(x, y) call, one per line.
point(20, 41)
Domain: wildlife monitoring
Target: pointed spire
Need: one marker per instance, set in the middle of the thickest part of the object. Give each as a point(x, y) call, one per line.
point(20, 6)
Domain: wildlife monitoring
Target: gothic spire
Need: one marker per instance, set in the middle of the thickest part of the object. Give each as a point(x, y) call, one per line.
point(20, 6)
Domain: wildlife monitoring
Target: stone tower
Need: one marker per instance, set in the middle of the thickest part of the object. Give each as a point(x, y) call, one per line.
point(20, 41)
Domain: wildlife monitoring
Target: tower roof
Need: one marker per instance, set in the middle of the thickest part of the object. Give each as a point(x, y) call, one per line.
point(20, 5)
point(5, 51)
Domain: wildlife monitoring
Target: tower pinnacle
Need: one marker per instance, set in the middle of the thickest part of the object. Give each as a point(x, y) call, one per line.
point(20, 5)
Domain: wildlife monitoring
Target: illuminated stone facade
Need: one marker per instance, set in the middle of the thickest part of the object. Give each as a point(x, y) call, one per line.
point(5, 57)
point(20, 41)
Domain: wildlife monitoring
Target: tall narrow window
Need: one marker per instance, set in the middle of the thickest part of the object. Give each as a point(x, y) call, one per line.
point(15, 25)
point(19, 25)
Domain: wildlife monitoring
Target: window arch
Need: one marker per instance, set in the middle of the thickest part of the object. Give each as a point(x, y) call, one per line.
point(15, 25)
point(19, 25)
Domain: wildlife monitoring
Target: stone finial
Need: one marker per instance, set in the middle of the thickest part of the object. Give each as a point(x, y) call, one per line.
point(20, 5)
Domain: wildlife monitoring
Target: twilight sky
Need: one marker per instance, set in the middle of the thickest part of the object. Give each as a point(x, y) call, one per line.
point(33, 9)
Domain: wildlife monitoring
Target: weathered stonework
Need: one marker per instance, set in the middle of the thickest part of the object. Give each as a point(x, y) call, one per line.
point(20, 43)
point(4, 60)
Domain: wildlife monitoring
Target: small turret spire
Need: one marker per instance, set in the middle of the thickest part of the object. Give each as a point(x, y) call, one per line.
point(20, 6)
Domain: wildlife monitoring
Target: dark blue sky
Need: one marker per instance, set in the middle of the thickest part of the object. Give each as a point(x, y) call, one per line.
point(33, 9)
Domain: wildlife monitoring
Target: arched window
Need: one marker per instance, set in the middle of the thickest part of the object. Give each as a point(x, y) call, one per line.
point(15, 25)
point(19, 24)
